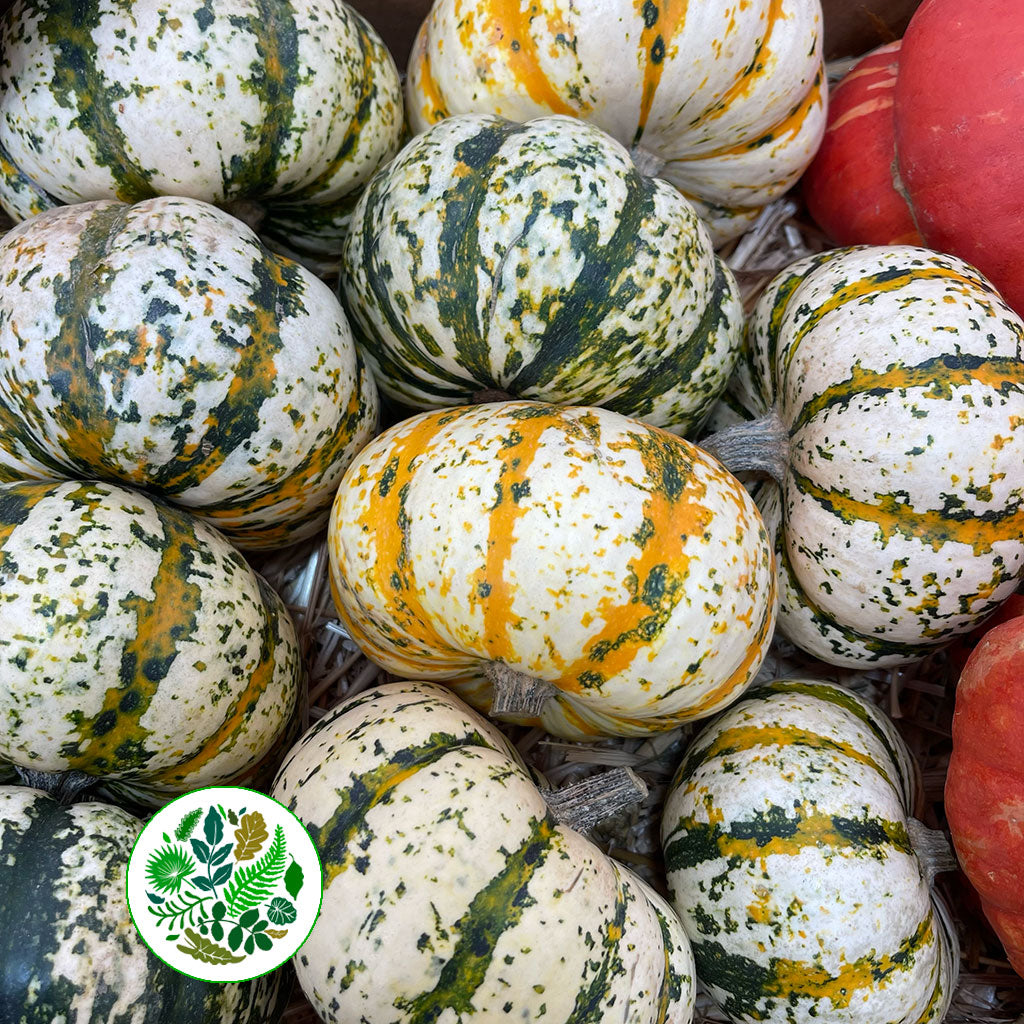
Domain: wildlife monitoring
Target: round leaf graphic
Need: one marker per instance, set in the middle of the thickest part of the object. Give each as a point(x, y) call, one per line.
point(167, 868)
point(281, 911)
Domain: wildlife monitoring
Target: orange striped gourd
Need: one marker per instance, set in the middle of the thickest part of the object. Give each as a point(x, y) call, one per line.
point(615, 566)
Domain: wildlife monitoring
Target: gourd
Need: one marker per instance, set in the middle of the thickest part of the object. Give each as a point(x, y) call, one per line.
point(890, 390)
point(799, 876)
point(535, 260)
point(453, 891)
point(138, 646)
point(562, 566)
point(724, 101)
point(850, 187)
point(959, 77)
point(886, 172)
point(984, 794)
point(162, 345)
point(69, 948)
point(289, 103)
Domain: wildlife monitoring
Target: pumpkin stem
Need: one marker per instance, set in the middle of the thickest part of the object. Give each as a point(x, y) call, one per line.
point(584, 804)
point(932, 849)
point(64, 787)
point(760, 446)
point(647, 162)
point(516, 694)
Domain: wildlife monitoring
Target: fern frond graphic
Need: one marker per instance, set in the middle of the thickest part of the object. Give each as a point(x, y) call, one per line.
point(254, 883)
point(187, 825)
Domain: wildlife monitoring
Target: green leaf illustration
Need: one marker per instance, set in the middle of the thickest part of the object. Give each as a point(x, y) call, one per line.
point(232, 817)
point(249, 918)
point(213, 827)
point(293, 878)
point(207, 950)
point(251, 835)
point(235, 937)
point(201, 850)
point(277, 933)
point(174, 912)
point(188, 824)
point(221, 854)
point(250, 944)
point(217, 930)
point(281, 911)
point(222, 874)
point(263, 940)
point(253, 883)
point(168, 867)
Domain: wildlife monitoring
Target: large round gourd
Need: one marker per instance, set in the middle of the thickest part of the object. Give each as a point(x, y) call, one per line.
point(984, 791)
point(612, 571)
point(535, 260)
point(452, 892)
point(136, 645)
point(891, 384)
point(724, 101)
point(284, 103)
point(162, 345)
point(801, 880)
point(69, 948)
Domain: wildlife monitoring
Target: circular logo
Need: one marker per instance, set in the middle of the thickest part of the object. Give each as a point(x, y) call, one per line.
point(224, 884)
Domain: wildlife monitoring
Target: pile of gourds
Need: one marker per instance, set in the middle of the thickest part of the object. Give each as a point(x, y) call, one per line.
point(565, 482)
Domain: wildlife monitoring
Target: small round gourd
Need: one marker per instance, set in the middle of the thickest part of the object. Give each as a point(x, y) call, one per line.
point(452, 891)
point(137, 645)
point(292, 103)
point(535, 260)
point(724, 101)
point(889, 387)
point(801, 880)
point(69, 948)
point(563, 566)
point(162, 345)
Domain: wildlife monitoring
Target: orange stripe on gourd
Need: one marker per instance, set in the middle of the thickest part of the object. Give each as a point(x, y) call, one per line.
point(666, 20)
point(510, 26)
point(932, 528)
point(434, 109)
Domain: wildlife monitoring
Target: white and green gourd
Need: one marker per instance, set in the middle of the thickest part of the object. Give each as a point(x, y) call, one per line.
point(885, 391)
point(160, 344)
point(804, 884)
point(138, 649)
point(268, 107)
point(536, 261)
point(454, 891)
point(69, 948)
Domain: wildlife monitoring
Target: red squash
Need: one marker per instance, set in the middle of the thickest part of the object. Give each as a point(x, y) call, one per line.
point(985, 781)
point(960, 134)
point(848, 187)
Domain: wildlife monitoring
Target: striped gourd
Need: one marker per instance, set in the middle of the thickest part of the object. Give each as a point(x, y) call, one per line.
point(891, 385)
point(609, 573)
point(800, 879)
point(234, 100)
point(535, 260)
point(160, 344)
point(724, 100)
point(451, 890)
point(68, 947)
point(136, 644)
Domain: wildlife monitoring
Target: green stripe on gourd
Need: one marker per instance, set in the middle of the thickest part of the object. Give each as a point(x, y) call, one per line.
point(162, 345)
point(901, 529)
point(139, 645)
point(800, 877)
point(535, 259)
point(439, 849)
point(68, 946)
